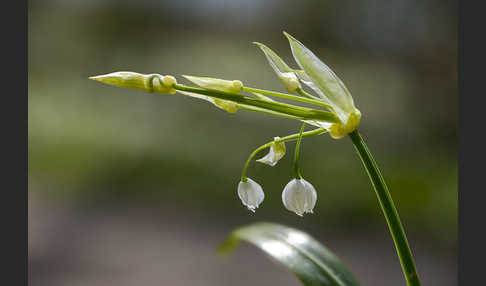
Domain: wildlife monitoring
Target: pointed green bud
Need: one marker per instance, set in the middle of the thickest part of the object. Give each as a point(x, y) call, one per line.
point(283, 71)
point(146, 82)
point(232, 86)
point(277, 151)
point(225, 105)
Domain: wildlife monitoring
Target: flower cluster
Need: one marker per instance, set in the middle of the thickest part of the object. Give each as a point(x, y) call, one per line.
point(298, 196)
point(333, 111)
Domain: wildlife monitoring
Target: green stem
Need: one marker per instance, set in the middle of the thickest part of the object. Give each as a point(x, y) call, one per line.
point(306, 94)
point(297, 173)
point(283, 139)
point(389, 210)
point(298, 111)
point(266, 111)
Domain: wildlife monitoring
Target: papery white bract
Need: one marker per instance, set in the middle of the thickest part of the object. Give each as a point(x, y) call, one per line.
point(277, 151)
point(330, 88)
point(251, 194)
point(299, 196)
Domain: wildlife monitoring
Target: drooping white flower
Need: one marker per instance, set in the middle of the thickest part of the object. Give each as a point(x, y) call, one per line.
point(299, 196)
point(251, 194)
point(277, 151)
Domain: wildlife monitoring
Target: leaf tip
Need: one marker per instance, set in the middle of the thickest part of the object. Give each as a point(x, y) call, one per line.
point(228, 245)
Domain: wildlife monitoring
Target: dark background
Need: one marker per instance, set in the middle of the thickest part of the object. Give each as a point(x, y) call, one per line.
point(128, 188)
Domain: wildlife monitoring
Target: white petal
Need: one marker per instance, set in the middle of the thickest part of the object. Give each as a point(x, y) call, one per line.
point(323, 78)
point(251, 194)
point(299, 196)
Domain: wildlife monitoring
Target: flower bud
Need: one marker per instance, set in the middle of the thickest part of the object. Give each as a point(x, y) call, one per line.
point(226, 105)
point(251, 194)
point(277, 151)
point(145, 82)
point(291, 81)
point(283, 71)
point(299, 196)
point(233, 86)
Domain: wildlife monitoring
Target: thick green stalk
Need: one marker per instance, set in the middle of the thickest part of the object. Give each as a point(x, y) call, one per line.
point(389, 210)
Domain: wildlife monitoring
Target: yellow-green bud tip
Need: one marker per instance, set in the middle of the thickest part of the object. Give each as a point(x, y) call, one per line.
point(145, 82)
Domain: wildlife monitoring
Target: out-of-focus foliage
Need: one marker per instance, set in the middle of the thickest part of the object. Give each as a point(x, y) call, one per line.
point(89, 141)
point(312, 262)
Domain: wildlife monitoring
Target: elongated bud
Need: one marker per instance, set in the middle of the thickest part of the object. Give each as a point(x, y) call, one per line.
point(225, 105)
point(146, 82)
point(299, 196)
point(251, 194)
point(283, 71)
point(233, 86)
point(277, 151)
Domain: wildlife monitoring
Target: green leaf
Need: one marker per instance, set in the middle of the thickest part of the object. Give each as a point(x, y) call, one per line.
point(311, 262)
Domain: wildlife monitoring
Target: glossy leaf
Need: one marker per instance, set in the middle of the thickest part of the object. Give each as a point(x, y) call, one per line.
point(311, 262)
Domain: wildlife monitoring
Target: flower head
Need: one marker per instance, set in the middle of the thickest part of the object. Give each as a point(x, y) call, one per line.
point(277, 151)
point(250, 193)
point(299, 196)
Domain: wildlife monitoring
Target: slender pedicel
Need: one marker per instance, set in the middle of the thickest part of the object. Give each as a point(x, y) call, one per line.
point(316, 131)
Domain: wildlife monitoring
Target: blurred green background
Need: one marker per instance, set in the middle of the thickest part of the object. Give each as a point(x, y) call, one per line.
point(100, 149)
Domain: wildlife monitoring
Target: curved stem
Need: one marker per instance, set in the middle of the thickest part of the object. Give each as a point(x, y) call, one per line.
point(283, 139)
point(389, 211)
point(297, 173)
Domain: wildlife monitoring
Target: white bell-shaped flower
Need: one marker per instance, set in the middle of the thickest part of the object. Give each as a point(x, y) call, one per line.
point(299, 196)
point(251, 194)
